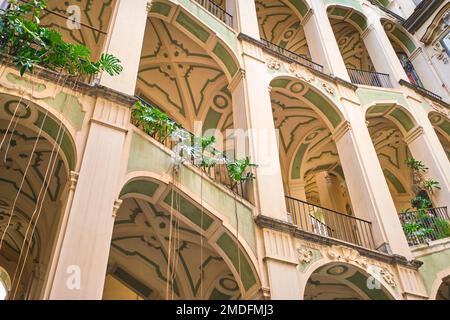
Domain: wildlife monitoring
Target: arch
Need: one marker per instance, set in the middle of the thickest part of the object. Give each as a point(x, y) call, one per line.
point(280, 23)
point(319, 102)
point(352, 15)
point(397, 113)
point(5, 279)
point(219, 49)
point(36, 115)
point(352, 276)
point(158, 194)
point(441, 275)
point(441, 125)
point(399, 35)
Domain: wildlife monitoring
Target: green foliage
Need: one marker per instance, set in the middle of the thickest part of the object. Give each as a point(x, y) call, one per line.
point(197, 148)
point(420, 203)
point(416, 165)
point(30, 44)
point(442, 227)
point(238, 170)
point(430, 184)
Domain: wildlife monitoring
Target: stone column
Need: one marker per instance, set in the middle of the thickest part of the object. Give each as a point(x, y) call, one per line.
point(125, 40)
point(382, 53)
point(427, 73)
point(281, 262)
point(366, 184)
point(329, 192)
point(322, 42)
point(425, 146)
point(81, 265)
point(245, 19)
point(297, 189)
point(255, 131)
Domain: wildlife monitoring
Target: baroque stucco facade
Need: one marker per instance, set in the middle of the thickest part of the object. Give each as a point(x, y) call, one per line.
point(92, 208)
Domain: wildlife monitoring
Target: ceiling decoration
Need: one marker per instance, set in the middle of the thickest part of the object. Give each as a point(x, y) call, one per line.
point(392, 153)
point(139, 255)
point(96, 14)
point(280, 24)
point(341, 282)
point(178, 76)
point(351, 46)
point(441, 125)
point(13, 165)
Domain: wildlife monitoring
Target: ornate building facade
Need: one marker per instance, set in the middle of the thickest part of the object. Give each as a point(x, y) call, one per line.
point(335, 99)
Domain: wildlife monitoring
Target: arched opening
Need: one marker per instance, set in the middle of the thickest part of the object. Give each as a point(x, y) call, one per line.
point(36, 155)
point(441, 126)
point(348, 26)
point(392, 152)
point(444, 290)
point(403, 47)
point(5, 284)
point(341, 281)
point(162, 248)
point(180, 77)
point(318, 200)
point(281, 26)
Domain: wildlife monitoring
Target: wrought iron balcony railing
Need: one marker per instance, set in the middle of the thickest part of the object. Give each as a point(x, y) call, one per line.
point(216, 167)
point(329, 223)
point(369, 78)
point(292, 55)
point(217, 11)
point(425, 225)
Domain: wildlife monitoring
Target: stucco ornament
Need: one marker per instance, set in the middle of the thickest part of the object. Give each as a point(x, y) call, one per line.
point(388, 277)
point(304, 255)
point(440, 53)
point(441, 110)
point(273, 64)
point(345, 254)
point(306, 76)
point(329, 89)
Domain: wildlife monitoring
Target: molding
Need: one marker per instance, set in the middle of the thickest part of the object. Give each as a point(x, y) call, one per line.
point(73, 180)
point(341, 130)
point(413, 135)
point(282, 226)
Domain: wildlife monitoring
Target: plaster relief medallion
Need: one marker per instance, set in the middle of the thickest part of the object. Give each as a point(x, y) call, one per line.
point(388, 277)
point(306, 76)
point(304, 255)
point(273, 64)
point(341, 253)
point(439, 53)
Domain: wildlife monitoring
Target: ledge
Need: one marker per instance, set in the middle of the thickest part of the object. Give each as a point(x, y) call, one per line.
point(94, 90)
point(424, 92)
point(258, 43)
point(278, 225)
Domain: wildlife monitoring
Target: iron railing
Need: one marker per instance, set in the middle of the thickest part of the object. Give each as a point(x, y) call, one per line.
point(329, 223)
point(217, 11)
point(292, 55)
point(370, 78)
point(216, 169)
point(425, 225)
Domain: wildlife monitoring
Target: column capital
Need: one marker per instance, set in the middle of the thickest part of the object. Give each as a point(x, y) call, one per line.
point(116, 207)
point(341, 130)
point(238, 77)
point(413, 135)
point(73, 180)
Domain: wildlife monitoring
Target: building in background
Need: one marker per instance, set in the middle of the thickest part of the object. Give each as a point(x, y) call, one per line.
point(333, 99)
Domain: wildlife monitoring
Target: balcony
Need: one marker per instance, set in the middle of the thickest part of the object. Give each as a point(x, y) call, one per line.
point(217, 11)
point(292, 55)
point(329, 223)
point(424, 226)
point(369, 78)
point(216, 168)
